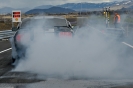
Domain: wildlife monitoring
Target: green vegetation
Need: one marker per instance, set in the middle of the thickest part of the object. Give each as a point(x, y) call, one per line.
point(7, 25)
point(99, 19)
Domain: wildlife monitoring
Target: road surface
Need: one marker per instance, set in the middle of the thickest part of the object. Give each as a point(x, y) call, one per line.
point(11, 79)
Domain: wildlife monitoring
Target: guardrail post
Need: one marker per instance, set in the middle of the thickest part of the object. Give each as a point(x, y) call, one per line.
point(6, 34)
point(127, 30)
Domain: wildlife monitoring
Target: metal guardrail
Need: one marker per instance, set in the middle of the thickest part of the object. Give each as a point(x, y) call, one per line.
point(6, 34)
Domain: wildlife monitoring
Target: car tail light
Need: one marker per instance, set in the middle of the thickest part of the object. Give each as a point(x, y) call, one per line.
point(18, 37)
point(23, 38)
point(65, 34)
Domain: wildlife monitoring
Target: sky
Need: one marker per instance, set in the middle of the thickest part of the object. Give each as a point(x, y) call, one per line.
point(34, 3)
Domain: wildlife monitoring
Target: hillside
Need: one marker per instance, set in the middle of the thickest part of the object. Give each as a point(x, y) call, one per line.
point(50, 10)
point(93, 6)
point(70, 7)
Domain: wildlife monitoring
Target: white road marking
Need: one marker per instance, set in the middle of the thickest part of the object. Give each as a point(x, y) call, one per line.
point(127, 44)
point(5, 50)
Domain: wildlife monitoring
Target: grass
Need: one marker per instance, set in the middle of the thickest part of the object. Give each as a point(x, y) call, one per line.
point(6, 25)
point(73, 18)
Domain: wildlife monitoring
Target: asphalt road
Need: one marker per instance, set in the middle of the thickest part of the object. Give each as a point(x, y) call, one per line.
point(10, 79)
point(5, 58)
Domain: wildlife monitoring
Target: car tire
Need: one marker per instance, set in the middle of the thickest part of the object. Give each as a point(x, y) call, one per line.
point(13, 60)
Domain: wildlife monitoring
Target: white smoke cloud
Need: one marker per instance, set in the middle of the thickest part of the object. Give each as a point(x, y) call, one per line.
point(87, 55)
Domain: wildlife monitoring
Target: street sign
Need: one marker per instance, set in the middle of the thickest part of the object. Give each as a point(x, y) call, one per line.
point(16, 16)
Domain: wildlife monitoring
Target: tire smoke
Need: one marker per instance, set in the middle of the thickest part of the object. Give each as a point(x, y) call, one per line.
point(89, 54)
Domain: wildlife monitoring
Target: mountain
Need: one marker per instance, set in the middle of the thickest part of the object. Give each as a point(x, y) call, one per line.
point(116, 5)
point(6, 10)
point(123, 5)
point(79, 6)
point(93, 6)
point(43, 7)
point(99, 6)
point(50, 10)
point(86, 6)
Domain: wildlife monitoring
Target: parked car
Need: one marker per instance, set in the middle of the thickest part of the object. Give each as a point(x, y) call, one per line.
point(58, 26)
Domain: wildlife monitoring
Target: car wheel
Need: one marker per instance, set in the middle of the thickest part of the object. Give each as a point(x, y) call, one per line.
point(13, 60)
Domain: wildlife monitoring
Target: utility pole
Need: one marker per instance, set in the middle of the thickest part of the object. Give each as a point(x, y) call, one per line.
point(81, 9)
point(107, 15)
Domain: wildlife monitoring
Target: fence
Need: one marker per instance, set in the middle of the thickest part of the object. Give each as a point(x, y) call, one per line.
point(6, 34)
